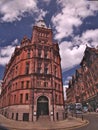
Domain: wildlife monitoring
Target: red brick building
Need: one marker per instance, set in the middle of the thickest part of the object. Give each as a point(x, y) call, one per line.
point(32, 83)
point(83, 87)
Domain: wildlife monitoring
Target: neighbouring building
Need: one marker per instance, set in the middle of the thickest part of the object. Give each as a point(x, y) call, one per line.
point(32, 82)
point(0, 86)
point(83, 87)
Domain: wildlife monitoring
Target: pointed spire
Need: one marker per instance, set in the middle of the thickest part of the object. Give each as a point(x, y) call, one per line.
point(41, 23)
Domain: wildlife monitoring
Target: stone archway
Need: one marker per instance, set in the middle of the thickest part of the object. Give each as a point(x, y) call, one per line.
point(42, 106)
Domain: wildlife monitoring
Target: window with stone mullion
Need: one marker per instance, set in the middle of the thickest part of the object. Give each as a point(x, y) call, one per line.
point(39, 52)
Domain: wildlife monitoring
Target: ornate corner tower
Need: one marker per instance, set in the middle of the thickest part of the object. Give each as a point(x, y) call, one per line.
point(47, 78)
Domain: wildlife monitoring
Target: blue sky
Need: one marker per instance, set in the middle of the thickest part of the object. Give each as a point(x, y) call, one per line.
point(74, 24)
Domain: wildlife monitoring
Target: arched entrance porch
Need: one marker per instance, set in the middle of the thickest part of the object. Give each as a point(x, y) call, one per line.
point(42, 106)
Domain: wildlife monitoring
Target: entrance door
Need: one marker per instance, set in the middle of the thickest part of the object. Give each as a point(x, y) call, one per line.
point(42, 106)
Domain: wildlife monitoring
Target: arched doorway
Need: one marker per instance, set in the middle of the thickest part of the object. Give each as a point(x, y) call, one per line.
point(42, 106)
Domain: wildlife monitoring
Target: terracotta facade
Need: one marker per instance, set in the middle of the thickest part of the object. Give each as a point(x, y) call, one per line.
point(32, 83)
point(83, 87)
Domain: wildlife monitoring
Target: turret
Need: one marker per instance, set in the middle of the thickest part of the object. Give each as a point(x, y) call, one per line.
point(41, 34)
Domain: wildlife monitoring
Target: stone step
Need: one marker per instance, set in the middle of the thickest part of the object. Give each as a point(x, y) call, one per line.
point(43, 118)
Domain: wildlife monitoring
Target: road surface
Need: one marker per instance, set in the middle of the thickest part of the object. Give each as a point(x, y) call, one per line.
point(93, 122)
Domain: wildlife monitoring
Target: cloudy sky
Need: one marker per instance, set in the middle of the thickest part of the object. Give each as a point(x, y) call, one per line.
point(74, 24)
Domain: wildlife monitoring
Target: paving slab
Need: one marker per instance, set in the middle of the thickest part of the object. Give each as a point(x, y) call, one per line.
point(70, 122)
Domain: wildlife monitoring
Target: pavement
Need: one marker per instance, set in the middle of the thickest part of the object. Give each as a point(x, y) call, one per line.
point(69, 123)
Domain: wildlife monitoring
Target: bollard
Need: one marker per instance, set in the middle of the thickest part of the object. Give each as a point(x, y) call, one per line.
point(76, 115)
point(82, 117)
point(72, 114)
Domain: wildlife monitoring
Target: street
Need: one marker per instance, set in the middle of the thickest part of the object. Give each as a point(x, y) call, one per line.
point(71, 123)
point(93, 122)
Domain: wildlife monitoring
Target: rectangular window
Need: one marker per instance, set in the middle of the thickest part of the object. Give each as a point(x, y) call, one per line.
point(45, 84)
point(46, 70)
point(22, 84)
point(55, 70)
point(57, 116)
point(28, 54)
point(39, 64)
point(38, 83)
point(21, 98)
point(16, 69)
point(12, 115)
point(55, 85)
point(39, 53)
point(26, 96)
point(16, 86)
point(27, 68)
point(27, 84)
point(55, 97)
point(45, 54)
point(14, 99)
point(13, 87)
point(25, 116)
point(59, 87)
point(38, 70)
point(39, 67)
point(16, 116)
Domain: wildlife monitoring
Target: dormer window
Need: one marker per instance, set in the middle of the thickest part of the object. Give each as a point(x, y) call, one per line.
point(28, 54)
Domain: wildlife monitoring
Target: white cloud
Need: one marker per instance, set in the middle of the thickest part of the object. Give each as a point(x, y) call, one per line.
point(72, 15)
point(72, 52)
point(70, 56)
point(41, 14)
point(93, 34)
point(65, 27)
point(91, 37)
point(15, 9)
point(5, 54)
